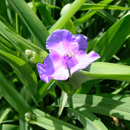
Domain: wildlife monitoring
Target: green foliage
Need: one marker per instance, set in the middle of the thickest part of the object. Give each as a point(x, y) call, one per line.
point(91, 99)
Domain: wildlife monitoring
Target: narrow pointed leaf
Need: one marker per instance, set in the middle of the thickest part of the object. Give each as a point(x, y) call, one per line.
point(51, 123)
point(20, 42)
point(101, 70)
point(88, 119)
point(9, 127)
point(24, 69)
point(110, 43)
point(104, 105)
point(102, 6)
point(44, 89)
point(13, 97)
point(31, 21)
point(67, 15)
point(4, 112)
point(89, 14)
point(62, 102)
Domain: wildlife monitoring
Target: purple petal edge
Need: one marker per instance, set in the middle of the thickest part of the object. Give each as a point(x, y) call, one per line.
point(84, 60)
point(62, 42)
point(82, 41)
point(45, 71)
point(93, 56)
point(41, 72)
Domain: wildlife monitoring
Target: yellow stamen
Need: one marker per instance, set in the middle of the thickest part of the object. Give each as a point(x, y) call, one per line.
point(72, 53)
point(69, 55)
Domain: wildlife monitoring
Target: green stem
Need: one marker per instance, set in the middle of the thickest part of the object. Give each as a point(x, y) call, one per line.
point(72, 91)
point(70, 101)
point(17, 26)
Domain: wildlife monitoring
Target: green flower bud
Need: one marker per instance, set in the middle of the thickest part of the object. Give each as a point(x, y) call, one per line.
point(29, 53)
point(29, 116)
point(32, 60)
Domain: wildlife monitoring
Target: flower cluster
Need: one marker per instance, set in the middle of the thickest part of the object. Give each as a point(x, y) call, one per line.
point(67, 55)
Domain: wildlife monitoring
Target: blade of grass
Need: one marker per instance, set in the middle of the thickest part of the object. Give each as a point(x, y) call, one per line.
point(67, 15)
point(24, 69)
point(89, 14)
point(9, 127)
point(30, 19)
point(88, 119)
point(51, 123)
point(111, 41)
point(13, 97)
point(4, 112)
point(44, 89)
point(101, 70)
point(43, 4)
point(20, 42)
point(102, 6)
point(104, 105)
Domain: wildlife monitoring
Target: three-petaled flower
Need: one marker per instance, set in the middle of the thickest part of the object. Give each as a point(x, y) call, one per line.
point(67, 55)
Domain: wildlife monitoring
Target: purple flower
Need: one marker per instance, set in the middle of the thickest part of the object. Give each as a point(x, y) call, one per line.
point(67, 55)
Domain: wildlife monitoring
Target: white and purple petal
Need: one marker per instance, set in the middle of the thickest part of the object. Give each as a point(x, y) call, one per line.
point(53, 68)
point(84, 60)
point(82, 41)
point(62, 42)
point(61, 70)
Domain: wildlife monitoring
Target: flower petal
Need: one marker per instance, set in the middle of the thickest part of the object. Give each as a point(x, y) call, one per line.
point(61, 70)
point(45, 70)
point(61, 73)
point(62, 42)
point(53, 68)
point(84, 60)
point(82, 41)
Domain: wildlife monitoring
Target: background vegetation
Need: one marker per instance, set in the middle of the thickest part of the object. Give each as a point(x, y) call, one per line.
point(101, 100)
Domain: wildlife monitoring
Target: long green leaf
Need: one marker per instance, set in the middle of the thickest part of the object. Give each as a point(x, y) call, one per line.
point(44, 89)
point(104, 14)
point(7, 24)
point(13, 97)
point(51, 123)
point(48, 19)
point(5, 110)
point(101, 70)
point(102, 6)
point(89, 14)
point(6, 49)
point(24, 125)
point(43, 4)
point(110, 43)
point(7, 43)
point(88, 119)
point(20, 42)
point(63, 101)
point(31, 21)
point(67, 15)
point(9, 127)
point(24, 69)
point(104, 105)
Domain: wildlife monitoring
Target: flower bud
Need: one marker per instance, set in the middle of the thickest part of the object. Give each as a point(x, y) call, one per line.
point(29, 53)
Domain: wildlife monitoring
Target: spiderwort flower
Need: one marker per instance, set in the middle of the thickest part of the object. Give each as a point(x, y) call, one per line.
point(67, 55)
